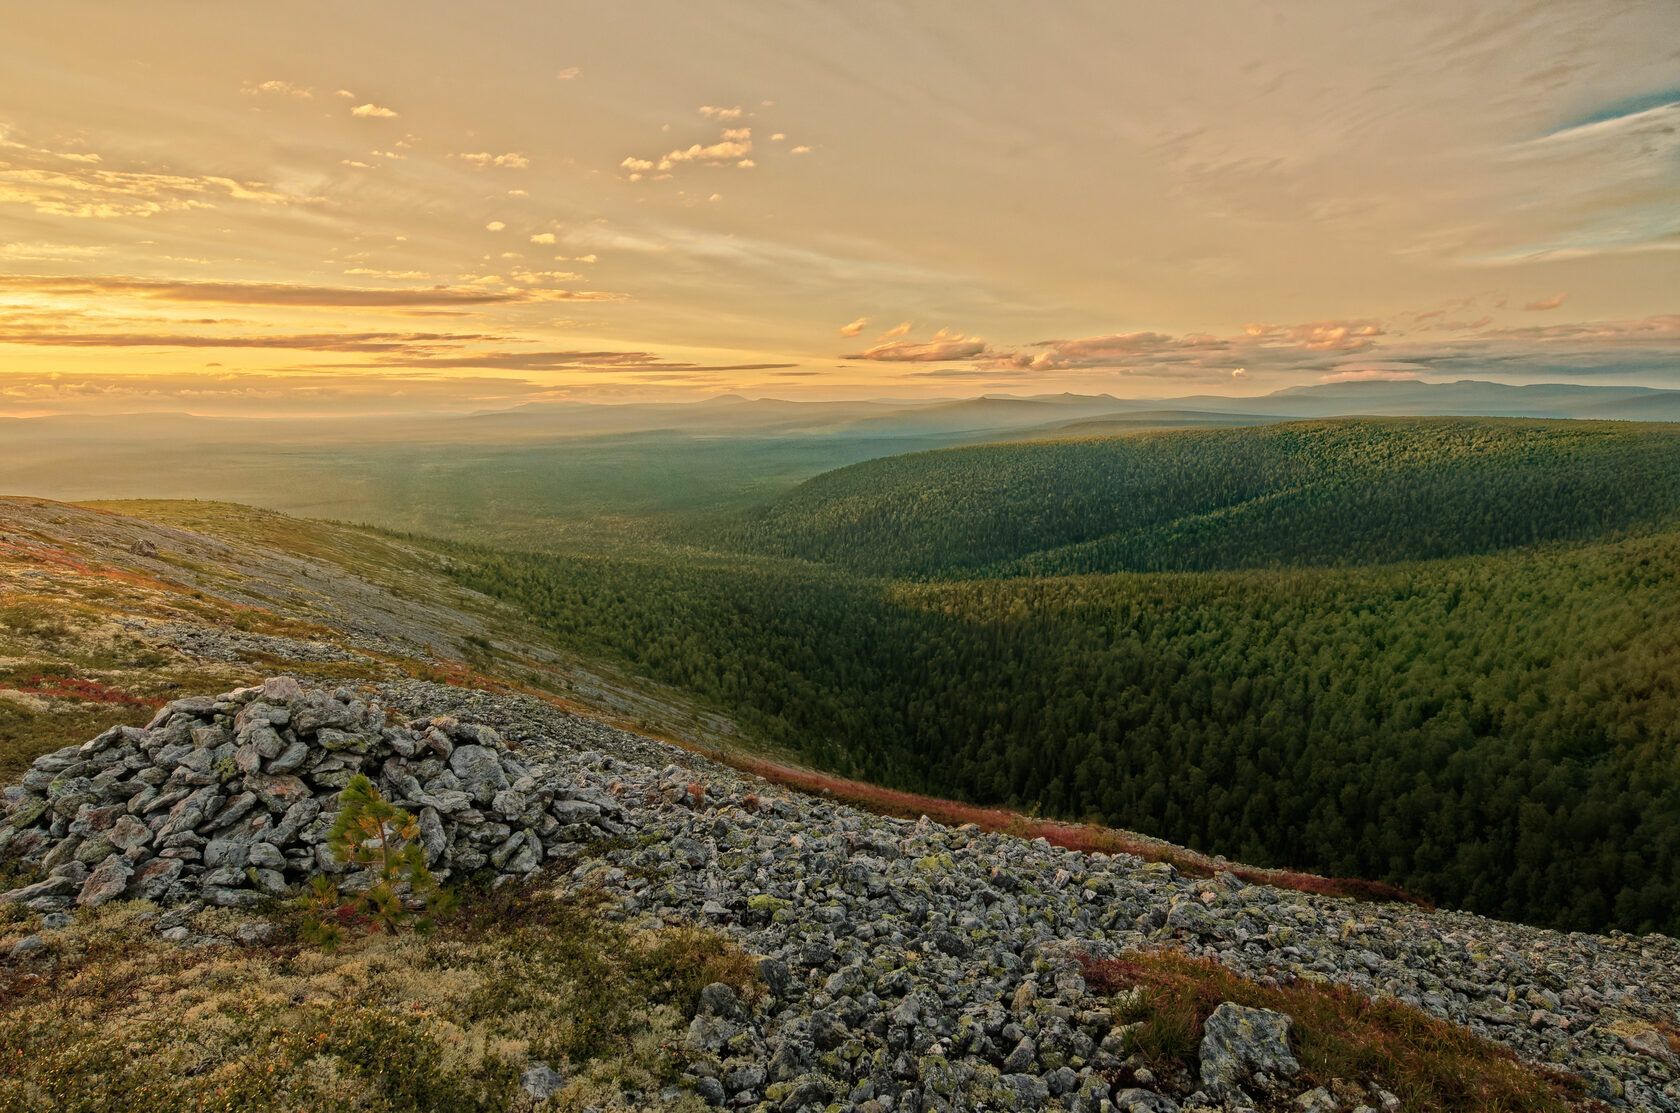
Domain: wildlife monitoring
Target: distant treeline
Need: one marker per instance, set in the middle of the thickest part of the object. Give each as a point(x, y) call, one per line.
point(1499, 732)
point(1313, 493)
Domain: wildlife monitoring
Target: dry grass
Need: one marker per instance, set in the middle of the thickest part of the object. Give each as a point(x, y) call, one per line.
point(116, 1020)
point(1339, 1037)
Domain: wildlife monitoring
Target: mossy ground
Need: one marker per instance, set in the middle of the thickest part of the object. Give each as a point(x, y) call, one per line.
point(1341, 1038)
point(113, 1018)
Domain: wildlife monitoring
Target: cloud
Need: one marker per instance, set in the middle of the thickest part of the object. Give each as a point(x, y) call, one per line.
point(274, 293)
point(280, 88)
point(724, 150)
point(529, 277)
point(1660, 329)
point(415, 342)
point(513, 160)
point(1369, 374)
point(1547, 303)
point(495, 226)
point(900, 329)
point(854, 328)
point(801, 150)
point(571, 359)
point(372, 110)
point(1605, 185)
point(712, 112)
point(543, 238)
point(89, 192)
point(346, 94)
point(1341, 336)
point(50, 252)
point(264, 394)
point(734, 145)
point(570, 73)
point(945, 345)
point(416, 275)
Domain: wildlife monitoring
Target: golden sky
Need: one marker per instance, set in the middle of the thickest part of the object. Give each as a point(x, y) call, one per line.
point(427, 205)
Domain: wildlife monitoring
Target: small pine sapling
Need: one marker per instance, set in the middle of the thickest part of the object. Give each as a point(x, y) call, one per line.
point(382, 838)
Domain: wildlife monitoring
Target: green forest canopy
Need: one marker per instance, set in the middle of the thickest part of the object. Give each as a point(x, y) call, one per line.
point(1346, 491)
point(1499, 729)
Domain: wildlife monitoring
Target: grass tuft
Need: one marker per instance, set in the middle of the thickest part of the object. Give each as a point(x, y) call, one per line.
point(1337, 1034)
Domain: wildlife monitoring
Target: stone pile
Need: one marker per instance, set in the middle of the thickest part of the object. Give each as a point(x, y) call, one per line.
point(908, 967)
point(229, 800)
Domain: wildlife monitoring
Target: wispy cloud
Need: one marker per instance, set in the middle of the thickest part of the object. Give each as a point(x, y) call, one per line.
point(276, 88)
point(1319, 336)
point(512, 160)
point(372, 110)
point(74, 185)
point(854, 328)
point(220, 392)
point(1603, 186)
point(945, 345)
point(1547, 303)
point(713, 112)
point(570, 359)
point(735, 144)
point(1660, 329)
point(279, 293)
point(416, 343)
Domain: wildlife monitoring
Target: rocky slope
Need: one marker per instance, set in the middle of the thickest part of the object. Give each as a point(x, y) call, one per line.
point(907, 966)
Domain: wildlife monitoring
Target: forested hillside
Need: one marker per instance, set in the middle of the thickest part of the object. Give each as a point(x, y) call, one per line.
point(1500, 733)
point(1313, 493)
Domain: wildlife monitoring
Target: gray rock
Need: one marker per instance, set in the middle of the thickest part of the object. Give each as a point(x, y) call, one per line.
point(708, 1034)
point(232, 853)
point(106, 883)
point(282, 689)
point(277, 793)
point(1134, 1100)
point(52, 887)
point(719, 999)
point(480, 771)
point(710, 1090)
point(253, 933)
point(1027, 1091)
point(1317, 1100)
point(154, 878)
point(128, 832)
point(1237, 1042)
point(28, 945)
point(1022, 1057)
point(540, 1080)
point(290, 759)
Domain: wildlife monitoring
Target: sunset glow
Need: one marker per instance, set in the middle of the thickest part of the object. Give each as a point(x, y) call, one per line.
point(429, 206)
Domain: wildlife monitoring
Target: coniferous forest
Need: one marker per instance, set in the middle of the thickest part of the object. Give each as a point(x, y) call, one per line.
point(1440, 653)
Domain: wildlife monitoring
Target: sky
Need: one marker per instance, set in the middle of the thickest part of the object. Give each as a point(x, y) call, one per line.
point(377, 207)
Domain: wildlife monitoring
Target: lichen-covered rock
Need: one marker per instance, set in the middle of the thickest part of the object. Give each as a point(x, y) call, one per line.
point(106, 882)
point(1240, 1042)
